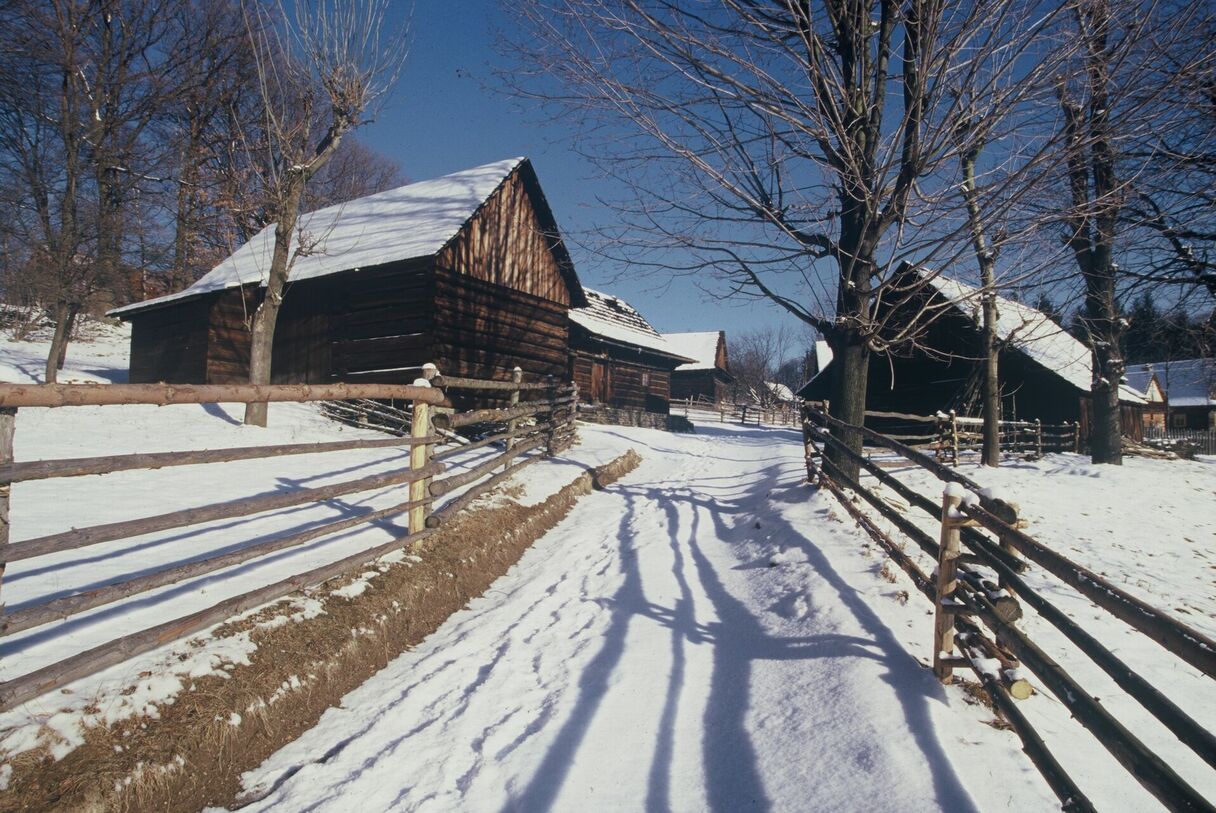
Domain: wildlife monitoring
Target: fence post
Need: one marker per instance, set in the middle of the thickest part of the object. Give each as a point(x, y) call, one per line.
point(947, 583)
point(953, 438)
point(8, 423)
point(420, 455)
point(1038, 435)
point(517, 375)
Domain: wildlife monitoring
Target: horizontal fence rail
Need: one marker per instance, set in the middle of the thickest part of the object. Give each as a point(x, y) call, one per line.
point(737, 412)
point(1203, 442)
point(63, 395)
point(965, 598)
point(949, 435)
point(408, 413)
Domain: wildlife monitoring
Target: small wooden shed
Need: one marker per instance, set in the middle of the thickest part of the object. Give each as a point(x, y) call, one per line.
point(467, 271)
point(708, 377)
point(617, 358)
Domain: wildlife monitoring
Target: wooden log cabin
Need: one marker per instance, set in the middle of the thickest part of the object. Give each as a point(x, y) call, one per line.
point(707, 377)
point(617, 359)
point(467, 271)
point(1044, 371)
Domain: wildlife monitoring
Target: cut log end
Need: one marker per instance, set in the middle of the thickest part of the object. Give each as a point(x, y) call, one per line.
point(1020, 689)
point(1007, 608)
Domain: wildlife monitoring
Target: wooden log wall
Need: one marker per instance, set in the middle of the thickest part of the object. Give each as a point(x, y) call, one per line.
point(381, 322)
point(170, 344)
point(698, 384)
point(483, 330)
point(634, 384)
point(505, 245)
point(228, 337)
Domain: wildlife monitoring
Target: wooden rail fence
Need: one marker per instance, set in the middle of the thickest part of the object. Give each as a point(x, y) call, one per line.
point(543, 422)
point(948, 435)
point(981, 587)
point(742, 413)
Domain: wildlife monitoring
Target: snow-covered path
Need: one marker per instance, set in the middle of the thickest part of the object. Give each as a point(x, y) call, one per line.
point(703, 635)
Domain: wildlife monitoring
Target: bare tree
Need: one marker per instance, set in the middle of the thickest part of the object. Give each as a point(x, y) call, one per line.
point(333, 61)
point(799, 151)
point(1175, 200)
point(211, 120)
point(82, 83)
point(986, 257)
point(1113, 127)
point(355, 171)
point(763, 355)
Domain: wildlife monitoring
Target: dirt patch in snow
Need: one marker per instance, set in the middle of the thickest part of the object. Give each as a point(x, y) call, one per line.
point(193, 752)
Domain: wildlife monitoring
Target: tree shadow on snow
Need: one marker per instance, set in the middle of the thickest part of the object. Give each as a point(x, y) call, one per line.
point(738, 639)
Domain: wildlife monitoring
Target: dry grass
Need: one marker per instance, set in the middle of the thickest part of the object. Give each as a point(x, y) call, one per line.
point(192, 756)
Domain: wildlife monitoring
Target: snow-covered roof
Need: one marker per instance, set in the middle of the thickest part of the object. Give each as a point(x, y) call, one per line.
point(613, 319)
point(1187, 382)
point(1030, 331)
point(823, 355)
point(779, 391)
point(702, 347)
point(412, 221)
point(1026, 329)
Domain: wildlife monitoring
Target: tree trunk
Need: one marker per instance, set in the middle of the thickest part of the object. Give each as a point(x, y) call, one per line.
point(59, 341)
point(1103, 324)
point(267, 315)
point(73, 314)
point(991, 453)
point(851, 366)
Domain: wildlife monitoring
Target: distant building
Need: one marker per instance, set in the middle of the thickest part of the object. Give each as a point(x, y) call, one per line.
point(708, 377)
point(1044, 371)
point(617, 359)
point(467, 271)
point(777, 393)
point(1188, 388)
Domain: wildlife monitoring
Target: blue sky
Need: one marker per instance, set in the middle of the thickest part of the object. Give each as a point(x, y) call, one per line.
point(446, 115)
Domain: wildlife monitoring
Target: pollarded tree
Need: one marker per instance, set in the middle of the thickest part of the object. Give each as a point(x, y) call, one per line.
point(798, 151)
point(321, 73)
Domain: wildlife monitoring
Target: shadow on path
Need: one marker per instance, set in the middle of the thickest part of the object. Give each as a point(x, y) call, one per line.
point(730, 763)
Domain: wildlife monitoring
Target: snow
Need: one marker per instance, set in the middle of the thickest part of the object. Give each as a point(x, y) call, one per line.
point(140, 685)
point(416, 220)
point(701, 347)
point(1146, 526)
point(705, 634)
point(780, 391)
point(613, 319)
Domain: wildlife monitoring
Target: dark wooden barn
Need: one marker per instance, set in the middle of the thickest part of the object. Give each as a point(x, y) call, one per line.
point(617, 358)
point(1044, 371)
point(467, 271)
point(707, 377)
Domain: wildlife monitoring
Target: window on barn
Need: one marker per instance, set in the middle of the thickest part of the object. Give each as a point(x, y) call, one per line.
point(1178, 420)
